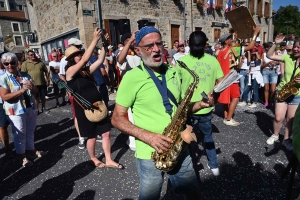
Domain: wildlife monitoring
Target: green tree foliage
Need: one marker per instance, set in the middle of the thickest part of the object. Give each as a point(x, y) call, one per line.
point(287, 21)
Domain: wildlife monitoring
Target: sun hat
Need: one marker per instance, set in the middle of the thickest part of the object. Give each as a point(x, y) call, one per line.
point(71, 51)
point(74, 41)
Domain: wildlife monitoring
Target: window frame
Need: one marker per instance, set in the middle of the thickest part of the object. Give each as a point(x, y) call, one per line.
point(14, 36)
point(12, 27)
point(2, 3)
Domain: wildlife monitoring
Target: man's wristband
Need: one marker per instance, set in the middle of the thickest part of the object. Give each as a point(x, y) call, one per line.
point(254, 37)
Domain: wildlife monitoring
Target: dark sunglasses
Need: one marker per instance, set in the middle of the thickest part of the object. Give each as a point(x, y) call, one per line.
point(7, 63)
point(288, 49)
point(181, 46)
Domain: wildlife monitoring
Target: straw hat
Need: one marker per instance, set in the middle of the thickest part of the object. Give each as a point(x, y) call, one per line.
point(71, 51)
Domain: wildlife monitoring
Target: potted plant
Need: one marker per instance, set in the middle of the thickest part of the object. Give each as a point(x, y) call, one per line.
point(200, 4)
point(252, 13)
point(260, 15)
point(194, 1)
point(267, 16)
point(218, 7)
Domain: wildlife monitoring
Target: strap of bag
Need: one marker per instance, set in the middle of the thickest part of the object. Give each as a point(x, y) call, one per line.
point(163, 90)
point(170, 95)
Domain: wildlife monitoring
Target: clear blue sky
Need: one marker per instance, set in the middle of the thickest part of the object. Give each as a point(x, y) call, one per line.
point(278, 3)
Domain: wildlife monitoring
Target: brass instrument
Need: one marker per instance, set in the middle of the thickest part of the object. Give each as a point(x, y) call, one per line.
point(166, 161)
point(288, 89)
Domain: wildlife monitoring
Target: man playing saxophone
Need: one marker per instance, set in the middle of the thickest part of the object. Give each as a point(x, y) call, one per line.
point(153, 111)
point(289, 82)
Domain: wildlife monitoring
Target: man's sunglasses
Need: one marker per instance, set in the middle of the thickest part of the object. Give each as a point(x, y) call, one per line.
point(7, 63)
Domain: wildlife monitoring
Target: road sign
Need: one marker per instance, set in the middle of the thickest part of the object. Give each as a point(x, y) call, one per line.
point(87, 12)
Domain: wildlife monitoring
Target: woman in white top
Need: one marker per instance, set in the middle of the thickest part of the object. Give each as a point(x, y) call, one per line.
point(255, 77)
point(270, 76)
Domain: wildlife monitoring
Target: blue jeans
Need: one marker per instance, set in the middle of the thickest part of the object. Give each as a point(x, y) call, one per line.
point(182, 177)
point(205, 126)
point(255, 91)
point(244, 82)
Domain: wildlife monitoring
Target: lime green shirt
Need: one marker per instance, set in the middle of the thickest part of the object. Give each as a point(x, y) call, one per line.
point(209, 71)
point(289, 66)
point(138, 91)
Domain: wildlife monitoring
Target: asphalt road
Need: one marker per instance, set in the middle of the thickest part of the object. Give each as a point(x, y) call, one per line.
point(250, 169)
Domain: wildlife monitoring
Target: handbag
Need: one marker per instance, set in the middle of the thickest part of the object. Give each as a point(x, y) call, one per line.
point(95, 112)
point(94, 115)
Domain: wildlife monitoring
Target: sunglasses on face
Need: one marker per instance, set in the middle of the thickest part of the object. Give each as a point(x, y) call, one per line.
point(30, 54)
point(181, 46)
point(7, 63)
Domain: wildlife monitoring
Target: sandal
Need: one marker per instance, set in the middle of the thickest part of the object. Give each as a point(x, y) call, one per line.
point(100, 165)
point(26, 163)
point(116, 166)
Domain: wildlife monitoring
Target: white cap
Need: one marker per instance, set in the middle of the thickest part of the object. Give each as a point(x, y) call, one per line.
point(257, 39)
point(74, 41)
point(110, 47)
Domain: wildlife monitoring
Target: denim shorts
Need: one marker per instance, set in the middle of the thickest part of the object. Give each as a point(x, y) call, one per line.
point(270, 76)
point(292, 100)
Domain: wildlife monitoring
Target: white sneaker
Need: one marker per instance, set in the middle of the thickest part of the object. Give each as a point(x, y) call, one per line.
point(231, 122)
point(243, 103)
point(215, 171)
point(249, 104)
point(253, 105)
point(272, 139)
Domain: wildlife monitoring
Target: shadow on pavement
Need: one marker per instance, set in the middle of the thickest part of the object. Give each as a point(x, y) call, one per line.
point(243, 180)
point(86, 195)
point(13, 176)
point(61, 187)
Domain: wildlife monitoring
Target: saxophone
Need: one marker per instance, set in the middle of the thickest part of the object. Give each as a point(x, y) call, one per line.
point(166, 161)
point(288, 89)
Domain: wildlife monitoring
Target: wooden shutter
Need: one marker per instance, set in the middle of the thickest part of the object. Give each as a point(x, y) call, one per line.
point(217, 34)
point(174, 33)
point(259, 7)
point(107, 27)
point(251, 5)
point(267, 9)
point(233, 6)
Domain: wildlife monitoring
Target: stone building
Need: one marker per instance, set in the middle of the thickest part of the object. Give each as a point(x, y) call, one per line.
point(13, 24)
point(59, 20)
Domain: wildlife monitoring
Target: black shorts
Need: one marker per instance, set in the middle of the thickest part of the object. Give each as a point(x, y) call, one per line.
point(42, 91)
point(3, 118)
point(58, 91)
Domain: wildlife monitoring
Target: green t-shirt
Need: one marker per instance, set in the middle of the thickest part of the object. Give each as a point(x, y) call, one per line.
point(289, 66)
point(138, 91)
point(208, 69)
point(36, 71)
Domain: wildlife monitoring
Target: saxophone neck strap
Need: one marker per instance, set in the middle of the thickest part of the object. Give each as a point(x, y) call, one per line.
point(163, 90)
point(295, 69)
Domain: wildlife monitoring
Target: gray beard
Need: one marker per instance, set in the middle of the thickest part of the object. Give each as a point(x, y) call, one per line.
point(148, 62)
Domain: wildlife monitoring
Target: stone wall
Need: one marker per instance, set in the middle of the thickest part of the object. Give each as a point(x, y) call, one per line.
point(55, 17)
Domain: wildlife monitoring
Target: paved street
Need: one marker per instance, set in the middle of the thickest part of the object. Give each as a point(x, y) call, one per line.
point(249, 168)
